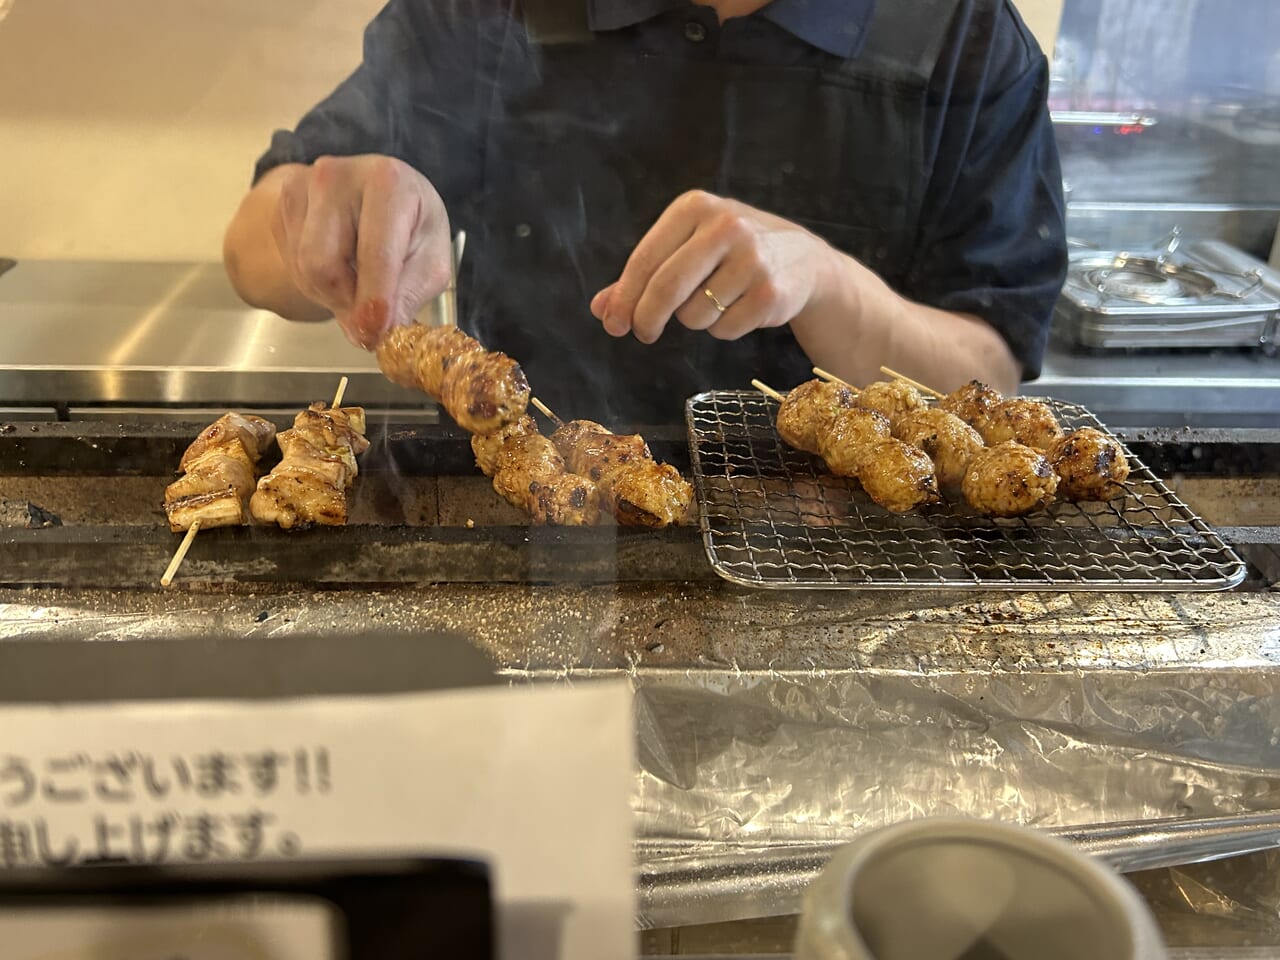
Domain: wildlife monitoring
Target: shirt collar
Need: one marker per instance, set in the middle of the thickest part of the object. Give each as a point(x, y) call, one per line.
point(836, 26)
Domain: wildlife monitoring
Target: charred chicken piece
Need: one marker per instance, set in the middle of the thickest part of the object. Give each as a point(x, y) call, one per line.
point(482, 391)
point(254, 434)
point(529, 473)
point(486, 446)
point(893, 398)
point(437, 350)
point(1026, 421)
point(637, 490)
point(218, 473)
point(847, 438)
point(971, 403)
point(397, 355)
point(1090, 465)
point(898, 476)
point(948, 440)
point(1009, 480)
point(808, 409)
point(310, 483)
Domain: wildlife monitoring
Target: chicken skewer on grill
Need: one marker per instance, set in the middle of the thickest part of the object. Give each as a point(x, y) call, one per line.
point(948, 441)
point(635, 488)
point(855, 442)
point(218, 473)
point(481, 390)
point(309, 485)
point(530, 474)
point(1090, 464)
point(997, 419)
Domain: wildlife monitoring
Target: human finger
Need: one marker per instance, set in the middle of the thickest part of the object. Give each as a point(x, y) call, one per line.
point(671, 230)
point(390, 216)
point(727, 283)
point(684, 274)
point(757, 307)
point(324, 246)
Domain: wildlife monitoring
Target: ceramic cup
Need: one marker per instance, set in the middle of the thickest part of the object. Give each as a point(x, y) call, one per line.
point(971, 890)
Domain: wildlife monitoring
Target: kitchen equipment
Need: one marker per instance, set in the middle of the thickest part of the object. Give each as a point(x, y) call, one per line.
point(1200, 295)
point(772, 516)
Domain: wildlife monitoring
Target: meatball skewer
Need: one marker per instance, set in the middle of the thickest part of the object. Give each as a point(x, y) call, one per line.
point(855, 441)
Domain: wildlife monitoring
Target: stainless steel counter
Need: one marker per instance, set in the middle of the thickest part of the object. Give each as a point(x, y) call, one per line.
point(165, 333)
point(1220, 389)
point(88, 335)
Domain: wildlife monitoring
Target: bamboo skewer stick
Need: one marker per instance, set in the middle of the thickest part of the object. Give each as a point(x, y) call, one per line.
point(832, 378)
point(546, 411)
point(768, 391)
point(915, 383)
point(337, 397)
point(180, 554)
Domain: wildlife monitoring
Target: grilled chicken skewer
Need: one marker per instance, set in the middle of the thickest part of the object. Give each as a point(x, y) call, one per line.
point(481, 390)
point(855, 441)
point(530, 474)
point(636, 489)
point(218, 473)
point(310, 483)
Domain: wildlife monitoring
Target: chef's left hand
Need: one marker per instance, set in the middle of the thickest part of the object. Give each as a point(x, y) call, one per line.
point(764, 270)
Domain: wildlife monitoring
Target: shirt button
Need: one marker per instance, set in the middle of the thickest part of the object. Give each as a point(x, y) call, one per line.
point(523, 230)
point(695, 32)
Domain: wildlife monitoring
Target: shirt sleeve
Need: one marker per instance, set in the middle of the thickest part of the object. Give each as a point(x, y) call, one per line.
point(993, 239)
point(413, 97)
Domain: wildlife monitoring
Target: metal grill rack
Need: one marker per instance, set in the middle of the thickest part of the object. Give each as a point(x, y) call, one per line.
point(774, 517)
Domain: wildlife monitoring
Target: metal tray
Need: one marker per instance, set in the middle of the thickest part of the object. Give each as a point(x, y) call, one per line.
point(774, 517)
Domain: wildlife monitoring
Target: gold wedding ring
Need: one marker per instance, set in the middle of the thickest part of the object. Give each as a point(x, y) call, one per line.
point(714, 299)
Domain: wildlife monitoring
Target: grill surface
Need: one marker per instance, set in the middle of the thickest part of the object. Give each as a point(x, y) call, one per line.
point(773, 517)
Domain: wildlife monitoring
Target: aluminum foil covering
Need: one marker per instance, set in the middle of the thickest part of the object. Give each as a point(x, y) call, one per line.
point(771, 727)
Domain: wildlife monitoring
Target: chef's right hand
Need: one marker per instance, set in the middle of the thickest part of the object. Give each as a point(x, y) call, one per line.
point(366, 238)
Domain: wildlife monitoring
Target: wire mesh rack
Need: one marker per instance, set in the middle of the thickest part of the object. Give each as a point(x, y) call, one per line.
point(773, 517)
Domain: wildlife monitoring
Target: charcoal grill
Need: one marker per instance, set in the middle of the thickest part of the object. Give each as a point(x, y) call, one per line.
point(420, 513)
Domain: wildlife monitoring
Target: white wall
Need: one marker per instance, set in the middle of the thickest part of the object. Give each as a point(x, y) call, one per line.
point(129, 128)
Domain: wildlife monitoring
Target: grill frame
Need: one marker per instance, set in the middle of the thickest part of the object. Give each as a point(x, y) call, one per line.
point(773, 518)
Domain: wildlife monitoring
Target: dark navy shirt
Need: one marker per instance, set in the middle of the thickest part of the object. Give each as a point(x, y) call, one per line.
point(912, 134)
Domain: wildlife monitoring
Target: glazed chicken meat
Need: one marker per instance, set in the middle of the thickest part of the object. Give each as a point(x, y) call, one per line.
point(971, 403)
point(948, 440)
point(1026, 421)
point(635, 488)
point(1009, 480)
point(309, 485)
point(898, 476)
point(1090, 465)
point(486, 446)
point(530, 474)
point(218, 473)
point(893, 398)
point(480, 389)
point(808, 409)
point(848, 437)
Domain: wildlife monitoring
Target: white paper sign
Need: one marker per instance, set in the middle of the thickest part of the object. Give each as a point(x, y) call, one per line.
point(534, 781)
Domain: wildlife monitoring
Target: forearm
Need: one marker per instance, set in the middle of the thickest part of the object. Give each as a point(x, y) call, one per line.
point(859, 324)
point(252, 259)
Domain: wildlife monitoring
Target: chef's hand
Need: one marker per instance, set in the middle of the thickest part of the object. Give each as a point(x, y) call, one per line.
point(763, 270)
point(366, 238)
